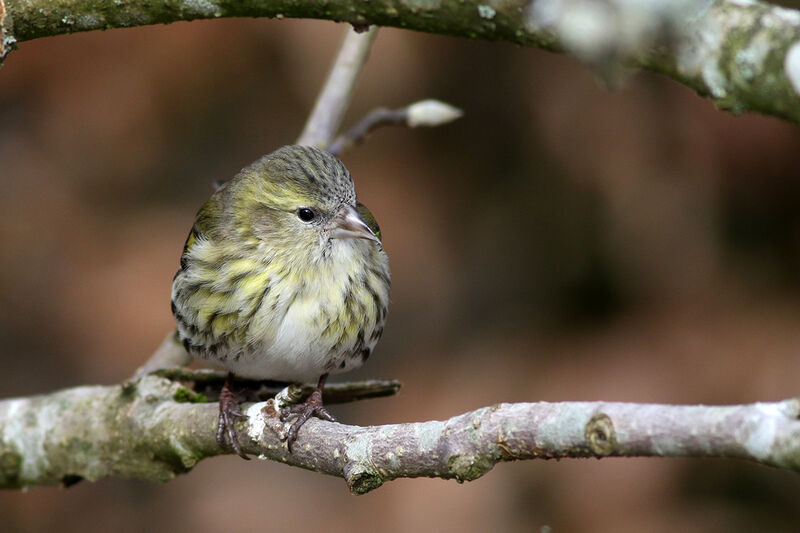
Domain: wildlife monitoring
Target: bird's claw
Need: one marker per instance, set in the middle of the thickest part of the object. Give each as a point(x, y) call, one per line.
point(228, 413)
point(311, 407)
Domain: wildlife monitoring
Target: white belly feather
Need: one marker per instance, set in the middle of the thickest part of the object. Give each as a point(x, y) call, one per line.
point(289, 337)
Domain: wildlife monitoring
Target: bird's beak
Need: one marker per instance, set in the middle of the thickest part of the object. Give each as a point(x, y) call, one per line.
point(348, 224)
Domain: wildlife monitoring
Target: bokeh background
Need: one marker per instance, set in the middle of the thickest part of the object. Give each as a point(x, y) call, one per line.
point(562, 241)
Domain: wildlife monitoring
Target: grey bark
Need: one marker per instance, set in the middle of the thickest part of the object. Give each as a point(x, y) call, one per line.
point(743, 54)
point(149, 429)
point(332, 102)
point(153, 428)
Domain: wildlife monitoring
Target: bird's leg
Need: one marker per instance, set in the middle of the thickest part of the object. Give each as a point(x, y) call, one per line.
point(312, 406)
point(228, 413)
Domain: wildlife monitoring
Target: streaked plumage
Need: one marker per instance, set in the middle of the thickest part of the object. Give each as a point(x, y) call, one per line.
point(270, 295)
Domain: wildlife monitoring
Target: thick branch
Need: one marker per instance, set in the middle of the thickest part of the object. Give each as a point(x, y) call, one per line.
point(743, 55)
point(138, 430)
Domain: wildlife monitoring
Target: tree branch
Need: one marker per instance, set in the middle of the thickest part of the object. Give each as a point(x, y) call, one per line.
point(745, 56)
point(425, 113)
point(332, 102)
point(138, 430)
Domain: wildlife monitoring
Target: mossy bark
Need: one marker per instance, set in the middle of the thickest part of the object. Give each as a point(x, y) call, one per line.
point(734, 52)
point(138, 430)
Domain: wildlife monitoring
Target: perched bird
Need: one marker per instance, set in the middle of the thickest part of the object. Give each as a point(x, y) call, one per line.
point(282, 277)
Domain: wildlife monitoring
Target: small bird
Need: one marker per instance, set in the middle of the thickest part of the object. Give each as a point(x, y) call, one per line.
point(283, 277)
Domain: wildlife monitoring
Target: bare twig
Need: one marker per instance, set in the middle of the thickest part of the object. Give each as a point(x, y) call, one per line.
point(138, 430)
point(335, 96)
point(374, 119)
point(334, 393)
point(425, 113)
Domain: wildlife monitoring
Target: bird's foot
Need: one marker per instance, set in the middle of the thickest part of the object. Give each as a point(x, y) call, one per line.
point(311, 407)
point(228, 413)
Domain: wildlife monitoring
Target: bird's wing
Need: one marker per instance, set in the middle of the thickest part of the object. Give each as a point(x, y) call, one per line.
point(204, 225)
point(366, 215)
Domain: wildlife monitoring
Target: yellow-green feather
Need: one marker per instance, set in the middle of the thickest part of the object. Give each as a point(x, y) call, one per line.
point(249, 267)
point(367, 216)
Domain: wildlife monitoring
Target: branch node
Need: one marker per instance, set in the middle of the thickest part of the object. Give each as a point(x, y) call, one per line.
point(361, 479)
point(600, 435)
point(468, 467)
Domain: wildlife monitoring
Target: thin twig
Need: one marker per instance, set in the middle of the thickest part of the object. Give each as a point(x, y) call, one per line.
point(425, 113)
point(335, 96)
point(374, 119)
point(334, 393)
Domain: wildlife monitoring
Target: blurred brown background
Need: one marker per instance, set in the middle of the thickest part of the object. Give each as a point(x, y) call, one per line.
point(560, 242)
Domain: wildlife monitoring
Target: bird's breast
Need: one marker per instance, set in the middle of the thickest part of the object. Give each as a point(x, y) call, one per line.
point(322, 317)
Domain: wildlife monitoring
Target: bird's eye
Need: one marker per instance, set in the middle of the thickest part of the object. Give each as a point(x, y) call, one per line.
point(305, 214)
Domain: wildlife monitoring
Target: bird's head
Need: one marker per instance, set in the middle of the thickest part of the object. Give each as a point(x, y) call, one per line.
point(299, 200)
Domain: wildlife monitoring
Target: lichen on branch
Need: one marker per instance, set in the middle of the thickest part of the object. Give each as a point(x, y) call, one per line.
point(742, 54)
point(146, 429)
